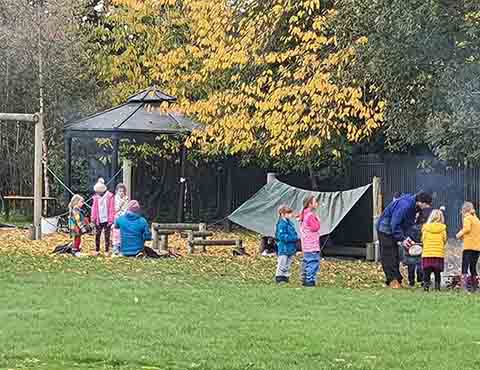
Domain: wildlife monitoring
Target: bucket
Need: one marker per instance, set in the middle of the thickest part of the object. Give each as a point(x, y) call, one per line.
point(49, 225)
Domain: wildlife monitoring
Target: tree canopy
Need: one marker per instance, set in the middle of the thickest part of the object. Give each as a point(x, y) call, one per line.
point(262, 76)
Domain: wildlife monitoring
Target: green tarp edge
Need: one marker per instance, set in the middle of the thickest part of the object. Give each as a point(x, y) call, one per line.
point(259, 213)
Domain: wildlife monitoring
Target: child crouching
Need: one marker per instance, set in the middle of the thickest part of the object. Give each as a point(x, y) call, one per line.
point(434, 238)
point(287, 239)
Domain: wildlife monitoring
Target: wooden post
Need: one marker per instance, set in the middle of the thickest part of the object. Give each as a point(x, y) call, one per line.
point(163, 245)
point(38, 183)
point(127, 177)
point(227, 225)
point(68, 165)
point(377, 212)
point(182, 180)
point(154, 237)
point(202, 228)
point(116, 144)
point(190, 245)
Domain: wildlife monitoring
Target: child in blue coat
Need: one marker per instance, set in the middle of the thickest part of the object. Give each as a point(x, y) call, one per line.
point(134, 231)
point(287, 238)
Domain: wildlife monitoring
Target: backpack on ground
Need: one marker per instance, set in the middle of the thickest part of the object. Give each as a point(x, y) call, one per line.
point(63, 249)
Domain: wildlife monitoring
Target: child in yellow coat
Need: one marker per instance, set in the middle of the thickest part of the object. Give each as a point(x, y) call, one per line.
point(470, 234)
point(434, 238)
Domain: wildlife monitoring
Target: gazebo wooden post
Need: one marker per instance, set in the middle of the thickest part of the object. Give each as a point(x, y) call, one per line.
point(68, 165)
point(116, 145)
point(181, 195)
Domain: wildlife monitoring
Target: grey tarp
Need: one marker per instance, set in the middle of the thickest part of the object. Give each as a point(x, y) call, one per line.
point(259, 213)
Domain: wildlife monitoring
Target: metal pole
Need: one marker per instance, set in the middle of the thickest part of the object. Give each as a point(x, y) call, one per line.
point(116, 144)
point(37, 182)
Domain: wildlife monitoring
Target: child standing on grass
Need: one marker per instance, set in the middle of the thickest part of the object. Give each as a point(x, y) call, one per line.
point(287, 239)
point(310, 236)
point(470, 234)
point(434, 238)
point(103, 214)
point(75, 223)
point(121, 203)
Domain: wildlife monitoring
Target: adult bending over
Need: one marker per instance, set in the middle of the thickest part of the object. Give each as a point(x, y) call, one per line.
point(134, 230)
point(392, 229)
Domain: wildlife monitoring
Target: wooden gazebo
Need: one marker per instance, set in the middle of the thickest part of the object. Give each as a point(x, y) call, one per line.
point(140, 118)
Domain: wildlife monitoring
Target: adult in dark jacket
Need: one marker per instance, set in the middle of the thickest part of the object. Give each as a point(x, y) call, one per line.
point(392, 227)
point(134, 230)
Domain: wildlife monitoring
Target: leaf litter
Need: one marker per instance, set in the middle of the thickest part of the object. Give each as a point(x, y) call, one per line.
point(217, 262)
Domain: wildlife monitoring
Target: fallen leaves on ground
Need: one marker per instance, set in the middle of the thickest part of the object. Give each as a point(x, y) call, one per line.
point(217, 262)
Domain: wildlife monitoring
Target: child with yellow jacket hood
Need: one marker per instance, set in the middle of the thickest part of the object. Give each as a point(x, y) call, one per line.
point(434, 238)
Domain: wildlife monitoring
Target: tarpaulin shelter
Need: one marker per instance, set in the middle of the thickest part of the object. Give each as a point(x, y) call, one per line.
point(347, 216)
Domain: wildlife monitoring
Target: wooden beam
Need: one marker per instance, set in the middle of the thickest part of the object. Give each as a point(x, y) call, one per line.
point(32, 118)
point(178, 227)
point(211, 243)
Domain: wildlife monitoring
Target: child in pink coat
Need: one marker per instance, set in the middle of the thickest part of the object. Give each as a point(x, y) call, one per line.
point(310, 236)
point(103, 214)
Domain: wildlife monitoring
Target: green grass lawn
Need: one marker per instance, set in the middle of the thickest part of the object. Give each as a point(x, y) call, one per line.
point(87, 314)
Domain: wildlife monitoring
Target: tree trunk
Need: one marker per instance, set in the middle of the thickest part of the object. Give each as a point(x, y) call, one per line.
point(313, 178)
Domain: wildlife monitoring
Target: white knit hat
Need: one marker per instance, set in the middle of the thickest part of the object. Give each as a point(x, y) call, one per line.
point(100, 186)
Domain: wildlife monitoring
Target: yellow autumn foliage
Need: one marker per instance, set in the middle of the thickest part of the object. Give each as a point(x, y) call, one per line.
point(262, 76)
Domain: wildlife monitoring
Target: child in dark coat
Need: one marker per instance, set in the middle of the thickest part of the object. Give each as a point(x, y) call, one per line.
point(287, 238)
point(414, 263)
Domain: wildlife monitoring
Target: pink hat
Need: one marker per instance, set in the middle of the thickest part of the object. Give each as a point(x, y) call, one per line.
point(133, 206)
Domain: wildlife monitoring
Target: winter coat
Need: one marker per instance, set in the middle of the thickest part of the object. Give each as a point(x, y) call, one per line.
point(110, 208)
point(470, 233)
point(286, 237)
point(120, 209)
point(434, 238)
point(398, 217)
point(134, 231)
point(310, 231)
point(75, 222)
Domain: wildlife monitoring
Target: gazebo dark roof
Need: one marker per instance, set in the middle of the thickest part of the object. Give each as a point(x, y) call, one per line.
point(140, 116)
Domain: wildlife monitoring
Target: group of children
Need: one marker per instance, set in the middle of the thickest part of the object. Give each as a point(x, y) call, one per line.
point(432, 234)
point(289, 242)
point(106, 210)
point(429, 231)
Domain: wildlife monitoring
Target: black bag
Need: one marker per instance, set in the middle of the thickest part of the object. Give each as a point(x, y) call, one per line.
point(151, 253)
point(298, 243)
point(63, 249)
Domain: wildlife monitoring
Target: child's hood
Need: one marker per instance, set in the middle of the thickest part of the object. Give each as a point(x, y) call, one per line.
point(435, 228)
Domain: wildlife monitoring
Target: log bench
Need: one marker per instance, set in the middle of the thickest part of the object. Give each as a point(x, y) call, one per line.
point(161, 232)
point(193, 242)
